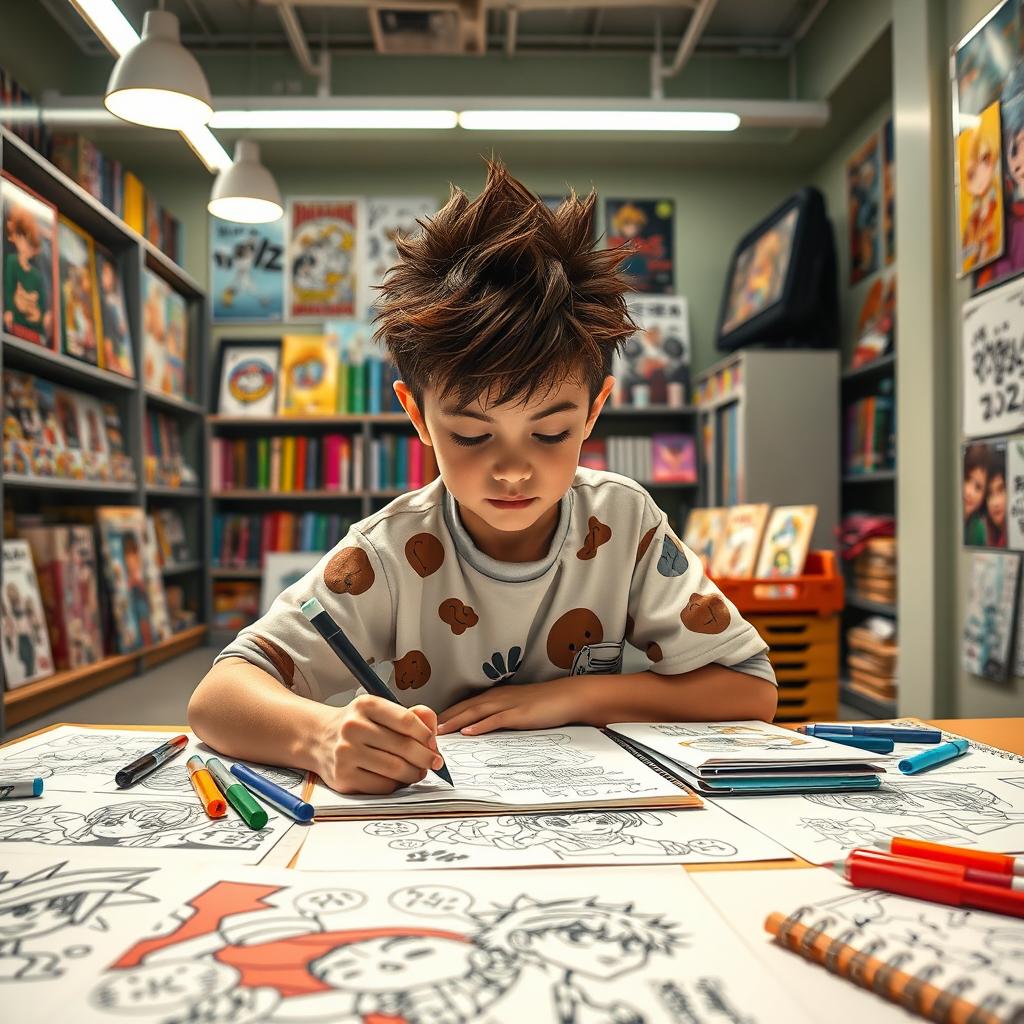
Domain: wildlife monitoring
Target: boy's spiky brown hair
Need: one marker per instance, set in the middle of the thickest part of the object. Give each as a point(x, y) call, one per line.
point(502, 295)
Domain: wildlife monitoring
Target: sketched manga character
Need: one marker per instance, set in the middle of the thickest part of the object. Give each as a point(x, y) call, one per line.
point(44, 903)
point(80, 754)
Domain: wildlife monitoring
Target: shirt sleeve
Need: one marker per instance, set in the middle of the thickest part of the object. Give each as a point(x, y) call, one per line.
point(351, 583)
point(678, 616)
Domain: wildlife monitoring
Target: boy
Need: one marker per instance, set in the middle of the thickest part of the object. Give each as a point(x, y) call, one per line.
point(504, 591)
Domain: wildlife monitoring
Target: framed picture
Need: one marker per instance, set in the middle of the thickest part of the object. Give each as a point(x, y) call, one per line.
point(984, 494)
point(309, 375)
point(653, 367)
point(323, 256)
point(30, 307)
point(79, 308)
point(164, 337)
point(647, 227)
point(281, 569)
point(115, 330)
point(246, 271)
point(248, 374)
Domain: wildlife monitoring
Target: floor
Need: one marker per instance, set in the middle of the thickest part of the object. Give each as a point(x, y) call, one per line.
point(159, 697)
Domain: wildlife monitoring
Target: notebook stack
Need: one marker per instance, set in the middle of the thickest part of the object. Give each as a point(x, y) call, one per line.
point(733, 758)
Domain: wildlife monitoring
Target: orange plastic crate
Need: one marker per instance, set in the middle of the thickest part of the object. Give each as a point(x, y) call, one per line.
point(819, 591)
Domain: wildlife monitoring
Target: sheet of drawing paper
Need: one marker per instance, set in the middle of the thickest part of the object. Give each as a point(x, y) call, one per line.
point(703, 744)
point(967, 945)
point(704, 835)
point(983, 811)
point(636, 944)
point(981, 757)
point(130, 821)
point(571, 764)
point(86, 760)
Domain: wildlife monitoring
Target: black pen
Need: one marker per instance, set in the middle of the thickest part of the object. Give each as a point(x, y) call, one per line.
point(354, 661)
point(141, 767)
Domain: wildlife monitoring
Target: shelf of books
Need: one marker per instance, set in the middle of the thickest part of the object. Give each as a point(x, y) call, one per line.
point(102, 491)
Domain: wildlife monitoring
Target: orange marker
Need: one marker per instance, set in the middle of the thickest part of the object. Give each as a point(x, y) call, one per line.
point(206, 789)
point(999, 862)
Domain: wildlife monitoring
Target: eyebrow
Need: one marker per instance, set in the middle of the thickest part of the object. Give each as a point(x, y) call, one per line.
point(472, 414)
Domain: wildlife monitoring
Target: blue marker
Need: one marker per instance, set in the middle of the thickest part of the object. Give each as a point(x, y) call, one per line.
point(936, 756)
point(876, 744)
point(14, 789)
point(899, 733)
point(273, 794)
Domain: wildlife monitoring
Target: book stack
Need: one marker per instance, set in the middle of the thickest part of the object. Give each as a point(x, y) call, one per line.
point(733, 758)
point(869, 444)
point(874, 571)
point(400, 463)
point(659, 459)
point(873, 650)
point(164, 462)
point(240, 541)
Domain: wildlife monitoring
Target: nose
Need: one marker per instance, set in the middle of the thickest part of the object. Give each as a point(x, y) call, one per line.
point(512, 468)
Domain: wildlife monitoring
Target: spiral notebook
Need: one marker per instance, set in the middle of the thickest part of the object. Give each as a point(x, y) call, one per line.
point(943, 963)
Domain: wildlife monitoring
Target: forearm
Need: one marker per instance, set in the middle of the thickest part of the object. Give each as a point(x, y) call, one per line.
point(713, 693)
point(243, 712)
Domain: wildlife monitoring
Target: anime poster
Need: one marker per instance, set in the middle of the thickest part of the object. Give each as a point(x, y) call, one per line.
point(984, 494)
point(30, 306)
point(653, 366)
point(116, 331)
point(80, 316)
point(786, 541)
point(990, 613)
point(864, 209)
point(308, 383)
point(980, 191)
point(322, 258)
point(246, 271)
point(164, 337)
point(889, 191)
point(26, 644)
point(1015, 495)
point(983, 61)
point(647, 228)
point(388, 219)
point(759, 274)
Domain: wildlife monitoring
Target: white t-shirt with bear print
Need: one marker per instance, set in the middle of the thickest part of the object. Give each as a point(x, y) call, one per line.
point(409, 586)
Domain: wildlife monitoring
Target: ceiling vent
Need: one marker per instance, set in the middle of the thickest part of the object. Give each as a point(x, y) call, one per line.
point(428, 27)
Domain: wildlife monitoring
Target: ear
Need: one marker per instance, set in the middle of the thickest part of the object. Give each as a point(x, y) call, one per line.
point(597, 405)
point(412, 410)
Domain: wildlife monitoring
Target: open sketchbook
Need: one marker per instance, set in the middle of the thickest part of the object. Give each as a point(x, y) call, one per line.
point(571, 767)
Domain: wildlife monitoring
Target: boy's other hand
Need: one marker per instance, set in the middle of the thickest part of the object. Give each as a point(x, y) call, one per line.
point(375, 746)
point(522, 706)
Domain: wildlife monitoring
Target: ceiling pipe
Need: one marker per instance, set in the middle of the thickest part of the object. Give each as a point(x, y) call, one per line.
point(511, 27)
point(318, 69)
point(688, 43)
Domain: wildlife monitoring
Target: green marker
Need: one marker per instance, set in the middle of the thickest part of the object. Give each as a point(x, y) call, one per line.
point(236, 794)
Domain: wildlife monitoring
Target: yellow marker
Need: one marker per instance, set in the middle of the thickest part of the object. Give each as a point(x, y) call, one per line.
point(206, 789)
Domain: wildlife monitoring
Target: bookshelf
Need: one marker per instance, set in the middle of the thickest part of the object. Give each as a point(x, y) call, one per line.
point(871, 491)
point(131, 253)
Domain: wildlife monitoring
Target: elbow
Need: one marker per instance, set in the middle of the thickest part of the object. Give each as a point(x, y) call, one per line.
point(764, 700)
point(199, 708)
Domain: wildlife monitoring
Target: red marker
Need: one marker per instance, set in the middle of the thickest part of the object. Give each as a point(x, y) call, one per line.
point(939, 883)
point(998, 862)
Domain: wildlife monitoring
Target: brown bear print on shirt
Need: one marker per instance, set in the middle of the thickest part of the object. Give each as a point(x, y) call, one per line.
point(654, 652)
point(645, 543)
point(705, 613)
point(412, 671)
point(349, 572)
point(598, 533)
point(457, 615)
point(425, 553)
point(280, 659)
point(571, 633)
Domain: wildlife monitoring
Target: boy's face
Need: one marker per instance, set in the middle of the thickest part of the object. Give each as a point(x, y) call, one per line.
point(508, 464)
point(395, 963)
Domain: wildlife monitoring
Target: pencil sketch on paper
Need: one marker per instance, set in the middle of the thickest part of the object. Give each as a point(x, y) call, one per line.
point(49, 915)
point(719, 738)
point(174, 778)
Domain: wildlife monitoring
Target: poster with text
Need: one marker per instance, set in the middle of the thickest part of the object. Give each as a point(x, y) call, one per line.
point(246, 270)
point(1015, 493)
point(322, 257)
point(647, 227)
point(389, 218)
point(992, 343)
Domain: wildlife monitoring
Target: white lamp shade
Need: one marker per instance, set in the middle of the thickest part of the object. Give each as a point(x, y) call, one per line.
point(158, 83)
point(246, 191)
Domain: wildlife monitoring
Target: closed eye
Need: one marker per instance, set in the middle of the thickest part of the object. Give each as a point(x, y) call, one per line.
point(469, 442)
point(552, 438)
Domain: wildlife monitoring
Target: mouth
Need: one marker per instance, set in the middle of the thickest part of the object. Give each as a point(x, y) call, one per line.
point(510, 503)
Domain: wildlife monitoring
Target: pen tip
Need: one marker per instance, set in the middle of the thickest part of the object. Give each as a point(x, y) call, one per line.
point(443, 773)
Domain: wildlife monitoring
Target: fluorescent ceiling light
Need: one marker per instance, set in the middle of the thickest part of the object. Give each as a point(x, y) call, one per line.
point(319, 119)
point(246, 191)
point(106, 20)
point(205, 146)
point(599, 120)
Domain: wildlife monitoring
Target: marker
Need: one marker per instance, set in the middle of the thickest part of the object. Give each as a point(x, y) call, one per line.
point(11, 789)
point(141, 767)
point(237, 795)
point(898, 733)
point(273, 794)
point(931, 758)
point(939, 883)
point(354, 662)
point(999, 863)
point(876, 744)
point(206, 789)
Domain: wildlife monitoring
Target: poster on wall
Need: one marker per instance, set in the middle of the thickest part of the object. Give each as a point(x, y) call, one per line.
point(992, 353)
point(164, 337)
point(388, 219)
point(653, 366)
point(984, 494)
point(322, 258)
point(647, 227)
point(889, 192)
point(990, 613)
point(984, 58)
point(1015, 493)
point(980, 191)
point(246, 270)
point(864, 209)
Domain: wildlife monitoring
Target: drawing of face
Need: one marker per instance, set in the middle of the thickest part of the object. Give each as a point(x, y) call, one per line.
point(581, 824)
point(115, 824)
point(577, 949)
point(35, 918)
point(1015, 159)
point(227, 835)
point(980, 171)
point(394, 964)
point(996, 503)
point(161, 988)
point(711, 847)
